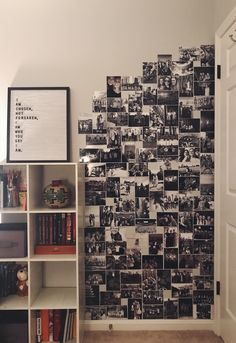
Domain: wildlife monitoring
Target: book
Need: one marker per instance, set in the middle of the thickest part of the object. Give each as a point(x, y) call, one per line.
point(1, 194)
point(45, 324)
point(38, 327)
point(57, 322)
point(66, 326)
point(51, 325)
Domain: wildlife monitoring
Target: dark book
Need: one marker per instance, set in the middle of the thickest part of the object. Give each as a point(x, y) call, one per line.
point(57, 322)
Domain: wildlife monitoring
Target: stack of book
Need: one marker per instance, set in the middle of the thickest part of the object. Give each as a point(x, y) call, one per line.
point(55, 325)
point(8, 278)
point(55, 233)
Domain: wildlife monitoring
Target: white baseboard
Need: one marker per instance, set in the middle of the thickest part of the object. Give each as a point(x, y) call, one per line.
point(150, 325)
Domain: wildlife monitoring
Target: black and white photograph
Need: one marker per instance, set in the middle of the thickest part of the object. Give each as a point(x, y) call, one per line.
point(207, 163)
point(131, 277)
point(157, 116)
point(203, 283)
point(206, 88)
point(171, 308)
point(142, 207)
point(203, 247)
point(189, 125)
point(156, 177)
point(203, 297)
point(138, 119)
point(182, 68)
point(182, 290)
point(134, 134)
point(91, 295)
point(189, 157)
point(149, 278)
point(203, 232)
point(186, 261)
point(204, 218)
point(186, 243)
point(152, 312)
point(164, 279)
point(170, 237)
point(113, 280)
point(207, 142)
point(153, 297)
point(186, 222)
point(135, 309)
point(186, 86)
point(131, 83)
point(150, 94)
point(113, 86)
point(207, 189)
point(167, 201)
point(95, 234)
point(164, 64)
point(124, 219)
point(142, 187)
point(95, 184)
point(189, 54)
point(204, 203)
point(207, 55)
point(149, 72)
point(127, 187)
point(93, 248)
point(110, 155)
point(95, 170)
point(99, 123)
point(171, 180)
point(95, 278)
point(135, 103)
point(185, 308)
point(205, 264)
point(110, 298)
point(99, 101)
point(203, 311)
point(85, 126)
point(131, 291)
point(145, 225)
point(171, 258)
point(117, 119)
point(152, 261)
point(116, 169)
point(168, 83)
point(186, 202)
point(116, 248)
point(207, 121)
point(115, 234)
point(89, 155)
point(95, 313)
point(95, 263)
point(204, 103)
point(182, 276)
point(116, 262)
point(189, 184)
point(202, 74)
point(138, 169)
point(128, 152)
point(95, 198)
point(149, 137)
point(92, 216)
point(167, 219)
point(116, 312)
point(115, 105)
point(113, 137)
point(186, 106)
point(171, 115)
point(147, 155)
point(106, 215)
point(96, 140)
point(155, 244)
point(189, 140)
point(167, 97)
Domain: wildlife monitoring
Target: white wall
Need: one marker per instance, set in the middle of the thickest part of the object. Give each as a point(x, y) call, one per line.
point(77, 43)
point(222, 9)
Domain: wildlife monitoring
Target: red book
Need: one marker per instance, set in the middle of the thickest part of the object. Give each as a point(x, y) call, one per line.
point(57, 322)
point(74, 228)
point(45, 325)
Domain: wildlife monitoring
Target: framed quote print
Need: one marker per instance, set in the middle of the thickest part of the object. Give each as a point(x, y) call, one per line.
point(38, 124)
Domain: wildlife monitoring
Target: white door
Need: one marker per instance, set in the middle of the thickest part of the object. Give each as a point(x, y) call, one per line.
point(226, 177)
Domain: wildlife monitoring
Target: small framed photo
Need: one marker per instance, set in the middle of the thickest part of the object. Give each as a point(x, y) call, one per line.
point(38, 124)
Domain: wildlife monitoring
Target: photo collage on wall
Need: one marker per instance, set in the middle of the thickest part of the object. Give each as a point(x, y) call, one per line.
point(149, 191)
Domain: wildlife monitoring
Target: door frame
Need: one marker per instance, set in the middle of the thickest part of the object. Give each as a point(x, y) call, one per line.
point(231, 18)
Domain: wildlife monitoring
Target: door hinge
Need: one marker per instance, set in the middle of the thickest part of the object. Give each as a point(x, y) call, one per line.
point(218, 71)
point(218, 287)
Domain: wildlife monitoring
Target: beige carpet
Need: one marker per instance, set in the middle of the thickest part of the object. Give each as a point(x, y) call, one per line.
point(151, 337)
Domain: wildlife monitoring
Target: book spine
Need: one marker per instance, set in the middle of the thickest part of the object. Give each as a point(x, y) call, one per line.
point(45, 325)
point(68, 228)
point(56, 324)
point(63, 228)
point(43, 229)
point(46, 229)
point(51, 324)
point(51, 229)
point(54, 235)
point(38, 327)
point(1, 194)
point(65, 326)
point(74, 228)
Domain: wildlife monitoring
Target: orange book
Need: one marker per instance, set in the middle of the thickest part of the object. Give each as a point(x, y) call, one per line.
point(45, 325)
